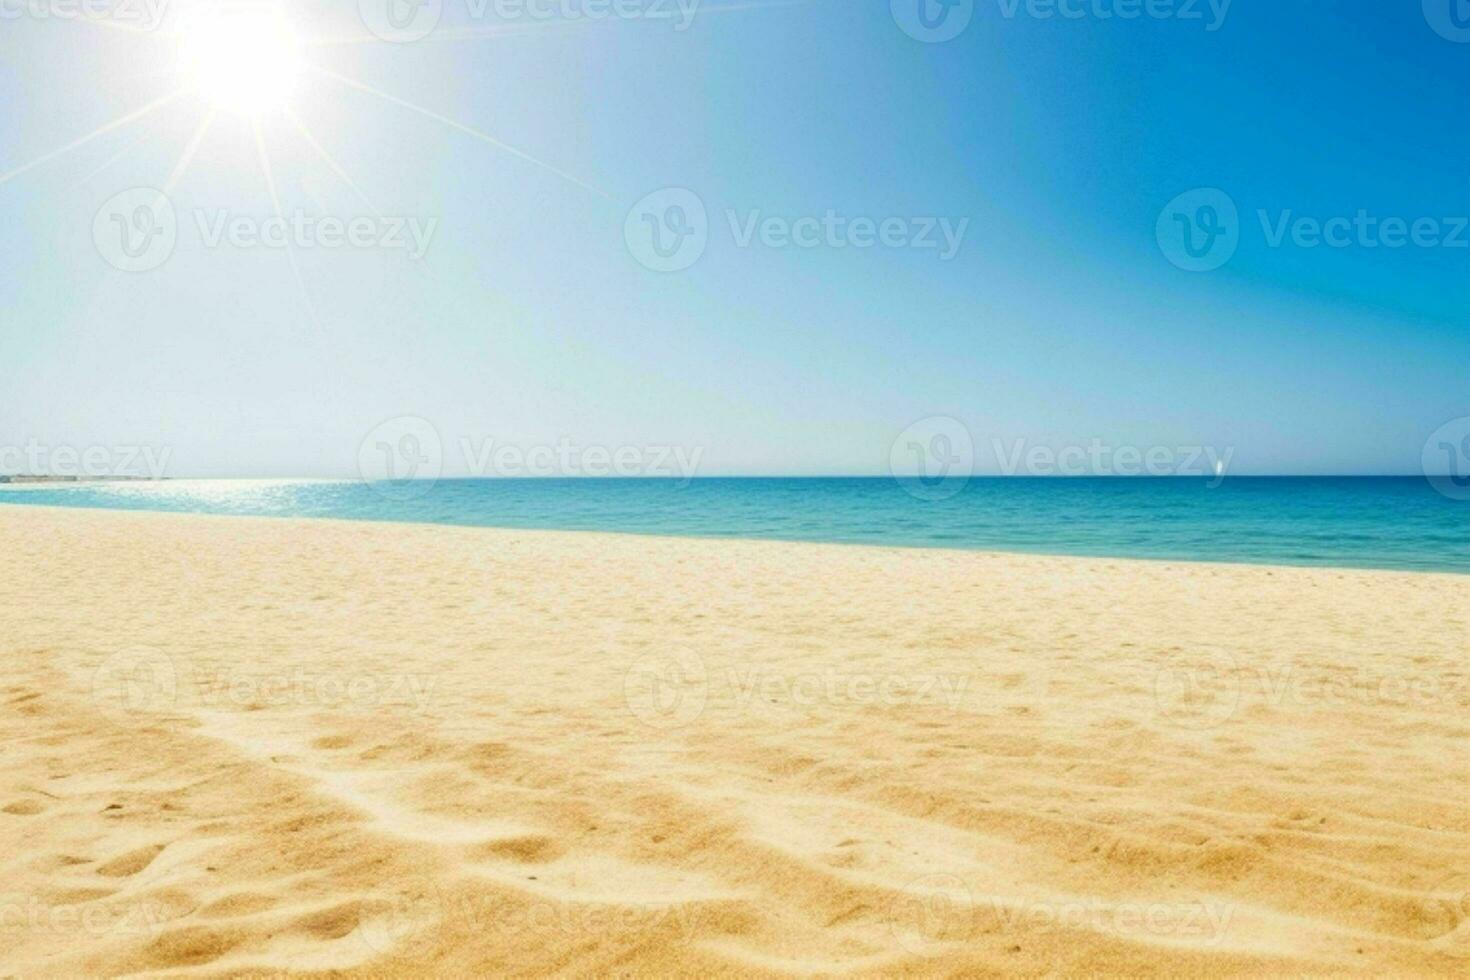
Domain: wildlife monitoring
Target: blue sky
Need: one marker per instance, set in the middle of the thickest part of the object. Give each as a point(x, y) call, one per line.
point(1059, 321)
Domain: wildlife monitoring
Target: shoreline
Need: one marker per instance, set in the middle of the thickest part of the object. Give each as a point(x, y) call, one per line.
point(654, 536)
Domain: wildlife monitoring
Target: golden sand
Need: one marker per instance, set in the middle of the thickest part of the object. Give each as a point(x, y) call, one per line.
point(233, 745)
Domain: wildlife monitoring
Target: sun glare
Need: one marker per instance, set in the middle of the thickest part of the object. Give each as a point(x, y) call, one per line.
point(246, 60)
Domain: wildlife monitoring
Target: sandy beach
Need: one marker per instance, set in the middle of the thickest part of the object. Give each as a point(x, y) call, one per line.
point(239, 745)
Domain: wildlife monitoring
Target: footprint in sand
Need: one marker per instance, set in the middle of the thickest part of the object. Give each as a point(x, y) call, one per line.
point(191, 946)
point(130, 863)
point(332, 923)
point(526, 849)
point(61, 862)
point(331, 742)
point(59, 896)
point(22, 808)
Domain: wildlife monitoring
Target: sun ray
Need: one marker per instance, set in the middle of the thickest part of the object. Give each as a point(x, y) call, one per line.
point(167, 71)
point(346, 178)
point(469, 130)
point(132, 145)
point(270, 185)
point(99, 131)
point(265, 167)
point(187, 156)
point(331, 162)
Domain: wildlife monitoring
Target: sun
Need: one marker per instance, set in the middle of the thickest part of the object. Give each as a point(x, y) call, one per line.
point(244, 59)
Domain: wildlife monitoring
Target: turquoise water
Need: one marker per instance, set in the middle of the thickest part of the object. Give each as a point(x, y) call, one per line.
point(1396, 523)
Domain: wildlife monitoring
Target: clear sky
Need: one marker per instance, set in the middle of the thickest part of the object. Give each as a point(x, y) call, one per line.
point(1059, 319)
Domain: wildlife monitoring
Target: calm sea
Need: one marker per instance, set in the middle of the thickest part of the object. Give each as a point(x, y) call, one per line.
point(1396, 523)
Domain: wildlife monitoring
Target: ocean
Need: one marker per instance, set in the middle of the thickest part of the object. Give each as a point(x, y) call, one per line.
point(1368, 522)
point(1345, 522)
